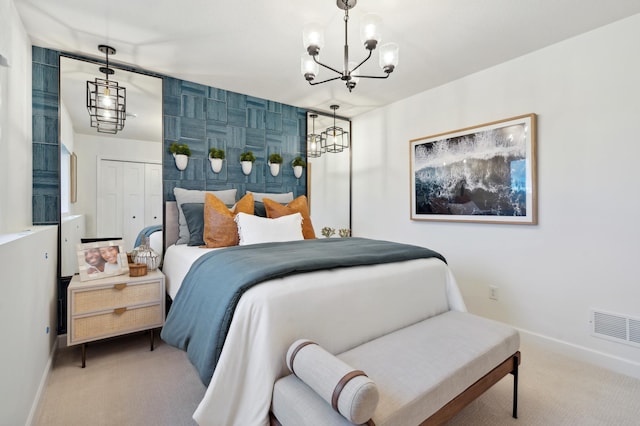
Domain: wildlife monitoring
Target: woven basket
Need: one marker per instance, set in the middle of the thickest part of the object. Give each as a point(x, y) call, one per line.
point(137, 269)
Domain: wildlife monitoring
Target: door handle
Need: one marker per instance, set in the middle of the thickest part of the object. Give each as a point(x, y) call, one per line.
point(119, 311)
point(121, 286)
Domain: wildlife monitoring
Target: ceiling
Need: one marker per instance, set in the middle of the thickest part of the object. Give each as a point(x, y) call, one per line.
point(254, 47)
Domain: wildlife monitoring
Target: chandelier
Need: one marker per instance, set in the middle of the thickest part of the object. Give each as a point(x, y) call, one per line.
point(313, 40)
point(314, 141)
point(334, 139)
point(106, 100)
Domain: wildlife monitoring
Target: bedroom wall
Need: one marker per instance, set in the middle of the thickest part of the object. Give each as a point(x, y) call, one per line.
point(583, 252)
point(205, 117)
point(27, 259)
point(15, 122)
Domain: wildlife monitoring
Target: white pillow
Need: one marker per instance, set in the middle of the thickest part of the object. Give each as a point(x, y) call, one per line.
point(255, 230)
point(356, 399)
point(227, 196)
point(285, 197)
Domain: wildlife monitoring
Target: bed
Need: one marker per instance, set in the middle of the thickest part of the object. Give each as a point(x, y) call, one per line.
point(339, 307)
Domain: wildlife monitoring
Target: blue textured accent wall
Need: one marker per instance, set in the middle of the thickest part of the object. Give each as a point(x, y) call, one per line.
point(205, 117)
point(46, 150)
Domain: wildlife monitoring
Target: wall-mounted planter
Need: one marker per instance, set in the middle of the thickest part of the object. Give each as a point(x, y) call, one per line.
point(297, 171)
point(246, 167)
point(274, 168)
point(181, 161)
point(216, 164)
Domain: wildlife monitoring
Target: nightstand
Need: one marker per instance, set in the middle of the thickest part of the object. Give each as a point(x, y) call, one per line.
point(114, 306)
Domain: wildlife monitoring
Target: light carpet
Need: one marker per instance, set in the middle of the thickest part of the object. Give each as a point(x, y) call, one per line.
point(126, 384)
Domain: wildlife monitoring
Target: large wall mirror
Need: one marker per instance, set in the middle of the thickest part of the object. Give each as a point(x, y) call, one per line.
point(329, 177)
point(111, 184)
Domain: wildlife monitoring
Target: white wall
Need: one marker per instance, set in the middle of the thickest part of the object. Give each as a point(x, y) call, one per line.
point(28, 260)
point(15, 123)
point(88, 149)
point(28, 308)
point(583, 253)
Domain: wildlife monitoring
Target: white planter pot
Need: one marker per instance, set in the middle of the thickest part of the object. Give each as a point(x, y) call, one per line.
point(216, 164)
point(246, 167)
point(181, 161)
point(297, 171)
point(274, 168)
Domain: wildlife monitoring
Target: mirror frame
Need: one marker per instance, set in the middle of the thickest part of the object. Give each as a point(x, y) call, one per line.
point(117, 66)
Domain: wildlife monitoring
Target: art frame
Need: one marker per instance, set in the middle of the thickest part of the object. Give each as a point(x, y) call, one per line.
point(485, 173)
point(101, 259)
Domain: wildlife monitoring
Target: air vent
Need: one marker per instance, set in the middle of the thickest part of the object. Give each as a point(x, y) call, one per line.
point(615, 327)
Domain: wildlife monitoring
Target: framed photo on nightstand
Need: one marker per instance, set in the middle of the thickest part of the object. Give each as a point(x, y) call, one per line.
point(101, 259)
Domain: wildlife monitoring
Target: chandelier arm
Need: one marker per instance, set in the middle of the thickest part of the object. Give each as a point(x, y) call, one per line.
point(374, 76)
point(327, 66)
point(323, 81)
point(363, 61)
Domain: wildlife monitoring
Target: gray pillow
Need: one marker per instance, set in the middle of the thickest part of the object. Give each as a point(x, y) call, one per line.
point(285, 197)
point(183, 196)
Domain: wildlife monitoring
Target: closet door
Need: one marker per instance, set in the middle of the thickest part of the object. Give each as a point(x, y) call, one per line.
point(133, 202)
point(110, 200)
point(153, 194)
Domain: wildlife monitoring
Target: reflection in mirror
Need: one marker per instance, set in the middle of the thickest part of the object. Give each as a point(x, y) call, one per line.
point(111, 184)
point(329, 179)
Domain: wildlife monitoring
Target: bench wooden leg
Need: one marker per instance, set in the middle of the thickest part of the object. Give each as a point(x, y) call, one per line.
point(516, 363)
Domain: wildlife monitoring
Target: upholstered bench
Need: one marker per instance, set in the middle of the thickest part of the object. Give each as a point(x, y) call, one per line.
point(422, 374)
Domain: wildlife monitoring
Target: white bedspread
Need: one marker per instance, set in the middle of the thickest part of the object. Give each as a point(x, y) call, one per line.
point(338, 308)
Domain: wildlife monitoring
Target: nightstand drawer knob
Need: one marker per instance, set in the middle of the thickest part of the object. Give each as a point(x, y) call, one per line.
point(121, 286)
point(119, 311)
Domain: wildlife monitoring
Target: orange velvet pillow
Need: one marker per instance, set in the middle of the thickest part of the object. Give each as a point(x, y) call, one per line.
point(220, 230)
point(299, 205)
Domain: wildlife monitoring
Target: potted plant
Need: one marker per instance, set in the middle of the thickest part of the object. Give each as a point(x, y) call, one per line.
point(275, 160)
point(215, 158)
point(298, 163)
point(246, 160)
point(181, 154)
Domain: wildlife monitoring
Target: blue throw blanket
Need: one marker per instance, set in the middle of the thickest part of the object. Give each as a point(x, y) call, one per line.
point(147, 233)
point(201, 313)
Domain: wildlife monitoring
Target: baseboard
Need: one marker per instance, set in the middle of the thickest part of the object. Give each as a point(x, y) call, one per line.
point(600, 359)
point(43, 384)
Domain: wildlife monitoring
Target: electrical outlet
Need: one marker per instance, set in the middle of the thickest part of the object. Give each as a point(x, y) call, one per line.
point(493, 292)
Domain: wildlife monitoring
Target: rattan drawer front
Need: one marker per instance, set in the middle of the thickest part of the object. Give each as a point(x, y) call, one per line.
point(109, 298)
point(112, 323)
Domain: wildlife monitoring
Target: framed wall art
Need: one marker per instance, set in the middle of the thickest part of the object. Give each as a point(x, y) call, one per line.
point(484, 173)
point(101, 259)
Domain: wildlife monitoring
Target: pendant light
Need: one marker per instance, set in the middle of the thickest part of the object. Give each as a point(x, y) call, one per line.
point(106, 99)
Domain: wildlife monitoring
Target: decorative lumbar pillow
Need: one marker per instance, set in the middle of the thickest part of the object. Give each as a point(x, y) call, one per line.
point(220, 230)
point(349, 391)
point(255, 230)
point(299, 205)
point(227, 196)
point(284, 197)
point(194, 214)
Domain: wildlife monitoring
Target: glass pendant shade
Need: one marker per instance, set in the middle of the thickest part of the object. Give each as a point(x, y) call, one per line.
point(370, 30)
point(388, 56)
point(313, 37)
point(309, 67)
